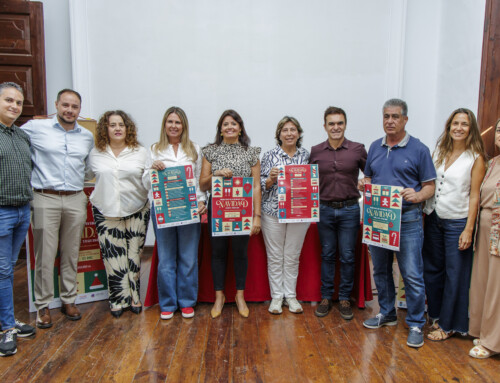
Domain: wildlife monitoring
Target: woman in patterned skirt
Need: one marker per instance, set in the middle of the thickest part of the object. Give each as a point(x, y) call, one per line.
point(120, 206)
point(177, 245)
point(231, 156)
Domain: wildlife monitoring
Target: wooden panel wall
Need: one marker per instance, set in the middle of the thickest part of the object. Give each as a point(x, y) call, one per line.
point(489, 91)
point(22, 53)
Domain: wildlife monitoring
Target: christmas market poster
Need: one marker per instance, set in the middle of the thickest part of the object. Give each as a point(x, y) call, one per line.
point(382, 216)
point(232, 206)
point(298, 193)
point(174, 196)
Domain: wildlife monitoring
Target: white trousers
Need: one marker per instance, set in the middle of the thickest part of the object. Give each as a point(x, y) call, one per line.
point(283, 246)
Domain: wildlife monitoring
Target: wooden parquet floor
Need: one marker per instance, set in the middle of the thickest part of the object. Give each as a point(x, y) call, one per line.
point(261, 348)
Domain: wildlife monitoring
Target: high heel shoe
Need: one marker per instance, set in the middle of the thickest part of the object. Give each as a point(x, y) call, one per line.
point(216, 313)
point(117, 313)
point(136, 309)
point(243, 312)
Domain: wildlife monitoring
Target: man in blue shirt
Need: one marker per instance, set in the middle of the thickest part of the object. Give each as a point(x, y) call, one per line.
point(59, 149)
point(399, 159)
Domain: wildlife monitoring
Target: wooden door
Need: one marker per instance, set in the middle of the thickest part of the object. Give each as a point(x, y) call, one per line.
point(22, 53)
point(489, 91)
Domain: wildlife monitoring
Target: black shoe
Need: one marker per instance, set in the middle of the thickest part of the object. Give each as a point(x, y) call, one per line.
point(323, 308)
point(8, 343)
point(346, 310)
point(136, 309)
point(23, 330)
point(117, 313)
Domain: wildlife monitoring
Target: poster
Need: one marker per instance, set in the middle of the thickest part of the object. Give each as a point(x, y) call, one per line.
point(174, 196)
point(92, 283)
point(232, 206)
point(382, 216)
point(401, 295)
point(298, 193)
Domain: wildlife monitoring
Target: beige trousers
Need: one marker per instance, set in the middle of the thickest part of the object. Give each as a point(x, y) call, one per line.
point(57, 221)
point(283, 247)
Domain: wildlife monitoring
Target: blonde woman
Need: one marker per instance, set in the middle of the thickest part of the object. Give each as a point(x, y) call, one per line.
point(178, 245)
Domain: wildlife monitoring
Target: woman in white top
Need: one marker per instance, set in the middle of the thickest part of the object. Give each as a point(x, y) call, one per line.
point(120, 206)
point(177, 246)
point(448, 231)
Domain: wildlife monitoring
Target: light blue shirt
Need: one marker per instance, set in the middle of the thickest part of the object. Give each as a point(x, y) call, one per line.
point(59, 156)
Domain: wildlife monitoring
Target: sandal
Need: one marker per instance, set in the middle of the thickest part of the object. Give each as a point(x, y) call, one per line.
point(480, 352)
point(439, 334)
point(434, 323)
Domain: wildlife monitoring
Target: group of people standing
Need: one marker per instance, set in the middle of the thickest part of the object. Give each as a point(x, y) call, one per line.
point(45, 162)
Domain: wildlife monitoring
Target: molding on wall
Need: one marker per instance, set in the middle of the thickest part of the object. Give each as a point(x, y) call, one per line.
point(396, 49)
point(80, 54)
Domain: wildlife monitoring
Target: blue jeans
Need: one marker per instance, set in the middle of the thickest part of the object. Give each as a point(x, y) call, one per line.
point(14, 224)
point(338, 227)
point(177, 265)
point(411, 267)
point(447, 272)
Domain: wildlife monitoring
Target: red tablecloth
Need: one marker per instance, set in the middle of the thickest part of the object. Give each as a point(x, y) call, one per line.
point(257, 284)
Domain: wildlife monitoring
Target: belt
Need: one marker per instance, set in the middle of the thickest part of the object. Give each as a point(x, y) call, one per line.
point(339, 204)
point(57, 192)
point(411, 207)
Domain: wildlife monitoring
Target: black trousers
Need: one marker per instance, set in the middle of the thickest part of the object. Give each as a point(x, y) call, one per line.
point(220, 247)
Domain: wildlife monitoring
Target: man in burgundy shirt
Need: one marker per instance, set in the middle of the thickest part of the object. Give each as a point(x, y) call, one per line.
point(339, 161)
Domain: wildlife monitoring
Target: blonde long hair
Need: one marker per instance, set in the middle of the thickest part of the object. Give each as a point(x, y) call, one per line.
point(474, 142)
point(186, 144)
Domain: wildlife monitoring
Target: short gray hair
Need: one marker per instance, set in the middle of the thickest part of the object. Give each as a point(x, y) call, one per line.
point(5, 85)
point(398, 103)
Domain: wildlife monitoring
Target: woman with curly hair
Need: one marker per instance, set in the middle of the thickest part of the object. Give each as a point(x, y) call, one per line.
point(459, 160)
point(120, 206)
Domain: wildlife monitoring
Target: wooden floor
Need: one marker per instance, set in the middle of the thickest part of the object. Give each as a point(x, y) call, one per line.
point(261, 348)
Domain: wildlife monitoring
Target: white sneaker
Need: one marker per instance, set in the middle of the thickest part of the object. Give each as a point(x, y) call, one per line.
point(275, 307)
point(293, 305)
point(166, 315)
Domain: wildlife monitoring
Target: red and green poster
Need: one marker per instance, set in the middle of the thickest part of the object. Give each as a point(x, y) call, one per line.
point(382, 216)
point(92, 283)
point(232, 206)
point(174, 196)
point(298, 193)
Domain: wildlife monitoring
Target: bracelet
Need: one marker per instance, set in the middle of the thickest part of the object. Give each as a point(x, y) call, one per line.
point(257, 215)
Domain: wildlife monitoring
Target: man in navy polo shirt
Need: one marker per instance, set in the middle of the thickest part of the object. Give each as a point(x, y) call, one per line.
point(399, 159)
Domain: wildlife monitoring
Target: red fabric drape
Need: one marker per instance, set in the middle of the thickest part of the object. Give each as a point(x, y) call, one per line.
point(257, 285)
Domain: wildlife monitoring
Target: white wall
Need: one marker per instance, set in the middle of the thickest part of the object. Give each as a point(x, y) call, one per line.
point(442, 62)
point(459, 63)
point(290, 59)
point(57, 49)
point(263, 58)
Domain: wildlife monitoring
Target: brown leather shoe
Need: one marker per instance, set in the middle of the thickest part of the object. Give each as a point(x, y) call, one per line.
point(71, 312)
point(43, 319)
